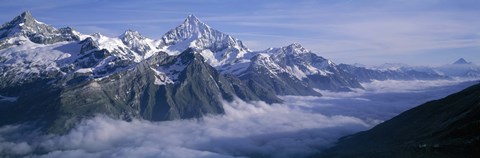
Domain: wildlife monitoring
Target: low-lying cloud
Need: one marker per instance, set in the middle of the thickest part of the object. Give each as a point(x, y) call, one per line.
point(247, 129)
point(299, 127)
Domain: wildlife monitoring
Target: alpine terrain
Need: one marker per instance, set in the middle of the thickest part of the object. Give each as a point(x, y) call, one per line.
point(55, 77)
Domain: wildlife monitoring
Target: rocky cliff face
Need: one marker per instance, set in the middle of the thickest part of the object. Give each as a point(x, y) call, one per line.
point(161, 88)
point(56, 83)
point(55, 77)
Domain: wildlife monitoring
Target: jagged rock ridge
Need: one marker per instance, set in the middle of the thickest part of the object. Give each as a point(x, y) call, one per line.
point(59, 76)
point(128, 77)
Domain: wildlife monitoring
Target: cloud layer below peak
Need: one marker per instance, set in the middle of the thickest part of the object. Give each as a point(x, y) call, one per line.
point(299, 127)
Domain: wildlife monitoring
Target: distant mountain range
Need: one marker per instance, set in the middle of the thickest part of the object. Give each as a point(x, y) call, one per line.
point(57, 76)
point(459, 68)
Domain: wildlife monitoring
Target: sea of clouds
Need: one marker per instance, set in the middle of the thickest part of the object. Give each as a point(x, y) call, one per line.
point(297, 128)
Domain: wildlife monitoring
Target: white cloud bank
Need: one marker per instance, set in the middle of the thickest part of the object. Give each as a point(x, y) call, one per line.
point(297, 128)
point(255, 129)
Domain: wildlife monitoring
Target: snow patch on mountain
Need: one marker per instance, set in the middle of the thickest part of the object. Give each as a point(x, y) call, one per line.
point(161, 78)
point(31, 57)
point(116, 45)
point(168, 74)
point(85, 71)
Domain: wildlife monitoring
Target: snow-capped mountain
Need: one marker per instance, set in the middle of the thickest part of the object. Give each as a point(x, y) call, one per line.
point(25, 26)
point(299, 61)
point(142, 46)
point(292, 70)
point(263, 71)
point(392, 72)
point(216, 47)
point(54, 78)
point(313, 70)
point(59, 76)
point(230, 56)
point(32, 49)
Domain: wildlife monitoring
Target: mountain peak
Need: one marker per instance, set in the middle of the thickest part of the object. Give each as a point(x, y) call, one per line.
point(25, 18)
point(27, 26)
point(295, 48)
point(130, 34)
point(130, 31)
point(21, 21)
point(26, 15)
point(295, 44)
point(135, 41)
point(192, 17)
point(461, 61)
point(193, 22)
point(25, 23)
point(192, 27)
point(193, 33)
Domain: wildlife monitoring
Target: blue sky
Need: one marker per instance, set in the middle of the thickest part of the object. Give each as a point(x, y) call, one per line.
point(427, 32)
